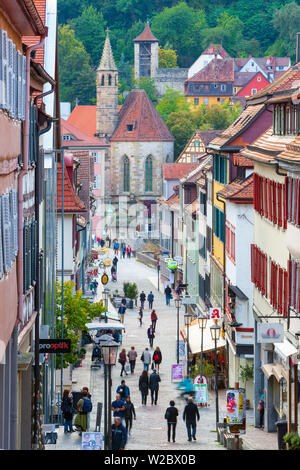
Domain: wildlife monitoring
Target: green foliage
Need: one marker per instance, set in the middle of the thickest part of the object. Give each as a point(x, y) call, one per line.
point(172, 102)
point(287, 23)
point(292, 440)
point(130, 290)
point(147, 84)
point(246, 373)
point(207, 370)
point(167, 58)
point(77, 311)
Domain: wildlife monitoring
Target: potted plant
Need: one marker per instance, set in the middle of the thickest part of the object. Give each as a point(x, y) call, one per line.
point(131, 291)
point(292, 441)
point(246, 374)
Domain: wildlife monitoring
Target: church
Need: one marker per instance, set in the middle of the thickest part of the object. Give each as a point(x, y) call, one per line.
point(139, 144)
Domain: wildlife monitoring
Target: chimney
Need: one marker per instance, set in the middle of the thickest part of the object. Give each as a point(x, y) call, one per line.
point(298, 48)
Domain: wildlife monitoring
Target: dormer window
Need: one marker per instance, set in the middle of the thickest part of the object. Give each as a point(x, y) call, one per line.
point(286, 119)
point(68, 137)
point(130, 127)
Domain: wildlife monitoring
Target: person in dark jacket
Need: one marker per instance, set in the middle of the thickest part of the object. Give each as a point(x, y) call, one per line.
point(123, 390)
point(115, 262)
point(168, 294)
point(144, 386)
point(67, 411)
point(157, 358)
point(118, 435)
point(154, 386)
point(122, 361)
point(142, 298)
point(153, 319)
point(151, 335)
point(189, 416)
point(171, 417)
point(129, 413)
point(150, 299)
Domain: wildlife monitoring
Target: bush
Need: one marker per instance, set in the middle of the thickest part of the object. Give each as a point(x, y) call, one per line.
point(292, 440)
point(130, 290)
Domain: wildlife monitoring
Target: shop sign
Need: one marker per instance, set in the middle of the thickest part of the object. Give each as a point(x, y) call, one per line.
point(215, 313)
point(188, 300)
point(104, 279)
point(172, 265)
point(54, 346)
point(236, 410)
point(270, 333)
point(177, 372)
point(92, 441)
point(182, 352)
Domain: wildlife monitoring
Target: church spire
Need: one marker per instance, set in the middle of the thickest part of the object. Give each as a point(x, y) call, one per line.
point(107, 60)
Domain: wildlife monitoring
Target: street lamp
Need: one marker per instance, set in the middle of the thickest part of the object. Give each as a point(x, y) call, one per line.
point(109, 352)
point(215, 331)
point(178, 305)
point(187, 321)
point(106, 291)
point(202, 321)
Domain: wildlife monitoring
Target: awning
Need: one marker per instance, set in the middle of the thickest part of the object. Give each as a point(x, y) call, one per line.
point(285, 349)
point(195, 337)
point(277, 370)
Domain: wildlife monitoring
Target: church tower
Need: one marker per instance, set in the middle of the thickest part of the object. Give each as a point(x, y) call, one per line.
point(107, 92)
point(145, 54)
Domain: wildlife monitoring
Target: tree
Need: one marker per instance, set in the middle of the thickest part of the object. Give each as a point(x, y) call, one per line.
point(147, 84)
point(167, 58)
point(182, 125)
point(77, 311)
point(77, 78)
point(90, 29)
point(172, 102)
point(287, 22)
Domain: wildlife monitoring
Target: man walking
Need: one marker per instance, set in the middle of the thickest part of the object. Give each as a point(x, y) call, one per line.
point(123, 390)
point(129, 414)
point(171, 417)
point(142, 298)
point(118, 407)
point(146, 358)
point(118, 435)
point(151, 335)
point(122, 310)
point(150, 299)
point(154, 386)
point(132, 355)
point(153, 319)
point(189, 416)
point(168, 294)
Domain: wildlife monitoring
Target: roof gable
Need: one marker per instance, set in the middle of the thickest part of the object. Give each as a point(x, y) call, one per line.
point(146, 35)
point(217, 70)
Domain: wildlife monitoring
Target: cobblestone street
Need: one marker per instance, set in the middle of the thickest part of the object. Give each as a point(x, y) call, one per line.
point(150, 430)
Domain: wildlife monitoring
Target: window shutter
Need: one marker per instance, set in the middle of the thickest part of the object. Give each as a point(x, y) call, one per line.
point(252, 263)
point(20, 85)
point(6, 233)
point(14, 82)
point(280, 290)
point(25, 258)
point(1, 244)
point(23, 87)
point(286, 292)
point(4, 69)
point(298, 289)
point(1, 71)
point(10, 78)
point(279, 204)
point(285, 202)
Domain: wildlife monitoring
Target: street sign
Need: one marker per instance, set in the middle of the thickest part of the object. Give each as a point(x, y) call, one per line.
point(200, 393)
point(188, 300)
point(54, 346)
point(215, 313)
point(177, 373)
point(270, 333)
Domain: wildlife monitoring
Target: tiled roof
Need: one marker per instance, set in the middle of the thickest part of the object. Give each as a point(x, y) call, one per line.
point(239, 160)
point(215, 49)
point(84, 140)
point(242, 78)
point(40, 6)
point(175, 171)
point(239, 189)
point(238, 126)
point(146, 35)
point(193, 207)
point(139, 121)
point(72, 203)
point(292, 151)
point(84, 118)
point(209, 135)
point(267, 147)
point(217, 70)
point(198, 172)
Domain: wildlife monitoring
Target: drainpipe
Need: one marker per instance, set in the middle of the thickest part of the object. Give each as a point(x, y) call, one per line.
point(24, 172)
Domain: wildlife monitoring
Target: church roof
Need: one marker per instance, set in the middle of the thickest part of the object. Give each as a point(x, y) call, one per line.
point(81, 139)
point(139, 121)
point(146, 35)
point(107, 60)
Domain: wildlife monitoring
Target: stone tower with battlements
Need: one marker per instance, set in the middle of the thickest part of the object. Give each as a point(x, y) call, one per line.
point(107, 92)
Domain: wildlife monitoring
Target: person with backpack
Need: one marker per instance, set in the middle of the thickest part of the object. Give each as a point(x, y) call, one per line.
point(142, 298)
point(171, 417)
point(151, 335)
point(67, 411)
point(150, 299)
point(84, 407)
point(153, 319)
point(157, 358)
point(154, 386)
point(144, 386)
point(122, 311)
point(146, 359)
point(129, 413)
point(115, 262)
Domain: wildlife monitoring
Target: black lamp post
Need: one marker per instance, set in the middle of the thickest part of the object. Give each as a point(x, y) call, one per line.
point(105, 296)
point(187, 321)
point(178, 305)
point(215, 331)
point(110, 352)
point(202, 321)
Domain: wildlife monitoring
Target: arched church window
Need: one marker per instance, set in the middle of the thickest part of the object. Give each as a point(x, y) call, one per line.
point(109, 80)
point(126, 174)
point(102, 80)
point(116, 80)
point(148, 174)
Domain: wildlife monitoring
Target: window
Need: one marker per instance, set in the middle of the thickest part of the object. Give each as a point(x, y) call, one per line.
point(259, 79)
point(253, 91)
point(223, 87)
point(202, 246)
point(126, 175)
point(202, 203)
point(102, 80)
point(206, 101)
point(219, 224)
point(234, 90)
point(270, 200)
point(230, 242)
point(196, 101)
point(96, 184)
point(148, 174)
point(109, 80)
point(95, 156)
point(293, 200)
point(220, 169)
point(130, 127)
point(286, 119)
point(294, 276)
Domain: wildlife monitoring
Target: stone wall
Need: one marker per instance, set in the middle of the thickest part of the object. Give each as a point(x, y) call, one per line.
point(173, 78)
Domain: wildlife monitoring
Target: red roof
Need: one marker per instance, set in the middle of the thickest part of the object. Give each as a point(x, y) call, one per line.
point(40, 6)
point(146, 35)
point(83, 139)
point(84, 118)
point(215, 49)
point(239, 189)
point(175, 171)
point(217, 70)
point(139, 121)
point(72, 203)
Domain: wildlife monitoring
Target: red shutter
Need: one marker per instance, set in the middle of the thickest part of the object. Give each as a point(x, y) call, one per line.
point(266, 198)
point(279, 204)
point(286, 293)
point(290, 198)
point(294, 284)
point(275, 285)
point(280, 290)
point(274, 202)
point(298, 302)
point(284, 196)
point(270, 200)
point(266, 276)
point(290, 267)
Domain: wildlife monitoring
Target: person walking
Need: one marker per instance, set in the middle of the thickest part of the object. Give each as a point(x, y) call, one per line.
point(116, 247)
point(129, 413)
point(153, 319)
point(150, 299)
point(144, 386)
point(123, 390)
point(122, 311)
point(261, 409)
point(140, 315)
point(190, 414)
point(168, 294)
point(146, 358)
point(118, 407)
point(115, 262)
point(84, 407)
point(171, 417)
point(132, 355)
point(142, 298)
point(67, 411)
point(113, 273)
point(151, 335)
point(122, 361)
point(108, 242)
point(129, 251)
point(154, 386)
point(157, 358)
point(118, 435)
point(123, 250)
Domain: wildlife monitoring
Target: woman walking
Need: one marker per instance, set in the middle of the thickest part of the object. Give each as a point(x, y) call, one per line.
point(122, 361)
point(157, 358)
point(140, 316)
point(84, 407)
point(153, 319)
point(144, 386)
point(67, 411)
